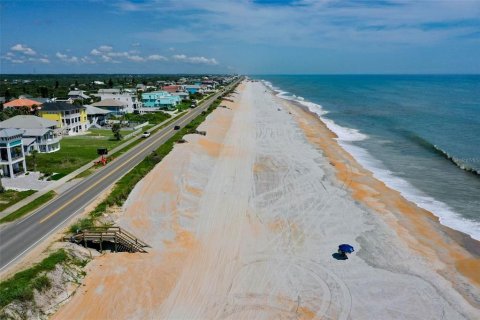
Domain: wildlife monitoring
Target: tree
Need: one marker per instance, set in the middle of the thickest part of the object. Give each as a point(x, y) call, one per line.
point(110, 83)
point(44, 92)
point(56, 84)
point(8, 95)
point(116, 131)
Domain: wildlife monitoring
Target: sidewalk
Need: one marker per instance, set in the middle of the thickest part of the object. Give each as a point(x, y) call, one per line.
point(59, 183)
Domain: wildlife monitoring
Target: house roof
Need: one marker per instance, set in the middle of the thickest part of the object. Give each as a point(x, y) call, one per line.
point(60, 106)
point(41, 100)
point(100, 91)
point(27, 122)
point(28, 141)
point(94, 110)
point(21, 103)
point(108, 103)
point(6, 133)
point(35, 132)
point(79, 93)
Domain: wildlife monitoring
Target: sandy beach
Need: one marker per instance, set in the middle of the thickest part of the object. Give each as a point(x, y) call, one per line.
point(244, 223)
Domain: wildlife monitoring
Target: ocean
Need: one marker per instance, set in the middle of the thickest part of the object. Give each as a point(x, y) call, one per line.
point(419, 134)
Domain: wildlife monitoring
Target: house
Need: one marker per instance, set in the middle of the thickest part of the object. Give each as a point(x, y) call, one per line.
point(71, 119)
point(98, 83)
point(12, 158)
point(78, 95)
point(18, 103)
point(97, 116)
point(159, 100)
point(183, 95)
point(173, 88)
point(193, 88)
point(38, 133)
point(115, 106)
point(127, 99)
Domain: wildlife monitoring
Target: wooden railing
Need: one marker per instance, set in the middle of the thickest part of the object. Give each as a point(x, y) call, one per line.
point(116, 236)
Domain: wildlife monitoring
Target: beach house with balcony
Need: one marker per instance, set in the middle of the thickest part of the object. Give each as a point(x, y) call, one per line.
point(159, 100)
point(71, 119)
point(38, 133)
point(12, 157)
point(127, 99)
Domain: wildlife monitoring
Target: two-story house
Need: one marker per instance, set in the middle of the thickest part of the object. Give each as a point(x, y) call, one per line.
point(127, 99)
point(71, 119)
point(38, 133)
point(159, 100)
point(12, 158)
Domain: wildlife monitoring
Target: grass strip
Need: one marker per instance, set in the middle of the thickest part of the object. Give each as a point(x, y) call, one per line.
point(29, 207)
point(21, 286)
point(10, 197)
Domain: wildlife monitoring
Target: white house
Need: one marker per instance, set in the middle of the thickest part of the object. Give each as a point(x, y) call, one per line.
point(12, 158)
point(127, 99)
point(38, 133)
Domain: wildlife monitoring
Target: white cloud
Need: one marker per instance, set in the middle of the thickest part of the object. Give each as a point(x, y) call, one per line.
point(194, 60)
point(66, 58)
point(157, 57)
point(105, 48)
point(87, 59)
point(312, 23)
point(101, 50)
point(23, 49)
point(136, 58)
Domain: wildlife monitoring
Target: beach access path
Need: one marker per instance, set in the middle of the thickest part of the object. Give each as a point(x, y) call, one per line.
point(244, 224)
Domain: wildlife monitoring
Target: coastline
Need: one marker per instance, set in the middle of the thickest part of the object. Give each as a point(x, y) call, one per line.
point(243, 223)
point(423, 226)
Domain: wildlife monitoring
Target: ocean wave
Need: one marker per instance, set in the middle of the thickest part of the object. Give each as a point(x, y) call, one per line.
point(346, 136)
point(446, 215)
point(439, 151)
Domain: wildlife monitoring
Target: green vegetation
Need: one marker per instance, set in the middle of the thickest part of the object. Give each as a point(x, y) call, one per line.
point(10, 197)
point(116, 132)
point(74, 153)
point(29, 207)
point(106, 134)
point(21, 286)
point(126, 184)
point(152, 118)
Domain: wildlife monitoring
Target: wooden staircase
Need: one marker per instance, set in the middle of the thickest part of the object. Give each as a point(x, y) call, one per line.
point(115, 238)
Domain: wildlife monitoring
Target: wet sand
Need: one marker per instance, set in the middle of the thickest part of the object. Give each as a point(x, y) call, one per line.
point(244, 223)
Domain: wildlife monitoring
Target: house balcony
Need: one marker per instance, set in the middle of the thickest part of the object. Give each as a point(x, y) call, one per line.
point(49, 141)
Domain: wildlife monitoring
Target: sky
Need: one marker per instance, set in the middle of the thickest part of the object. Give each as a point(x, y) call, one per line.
point(240, 36)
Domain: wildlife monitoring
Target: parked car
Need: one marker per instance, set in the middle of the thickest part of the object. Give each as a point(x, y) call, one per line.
point(146, 134)
point(176, 128)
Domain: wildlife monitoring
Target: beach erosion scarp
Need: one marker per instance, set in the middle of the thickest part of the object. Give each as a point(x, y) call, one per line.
point(244, 223)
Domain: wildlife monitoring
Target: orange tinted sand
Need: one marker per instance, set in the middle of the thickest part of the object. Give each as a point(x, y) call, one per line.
point(154, 274)
point(418, 227)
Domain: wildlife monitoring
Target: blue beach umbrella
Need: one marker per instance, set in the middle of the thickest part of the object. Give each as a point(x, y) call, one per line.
point(346, 248)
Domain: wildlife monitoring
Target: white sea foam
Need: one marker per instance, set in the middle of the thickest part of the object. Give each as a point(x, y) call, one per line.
point(446, 215)
point(346, 136)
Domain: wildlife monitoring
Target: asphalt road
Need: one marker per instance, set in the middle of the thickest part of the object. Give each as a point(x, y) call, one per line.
point(19, 237)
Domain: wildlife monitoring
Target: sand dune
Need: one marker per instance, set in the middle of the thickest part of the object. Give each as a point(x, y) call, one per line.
point(243, 223)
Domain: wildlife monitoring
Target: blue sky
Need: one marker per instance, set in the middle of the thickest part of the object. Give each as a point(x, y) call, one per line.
point(242, 36)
